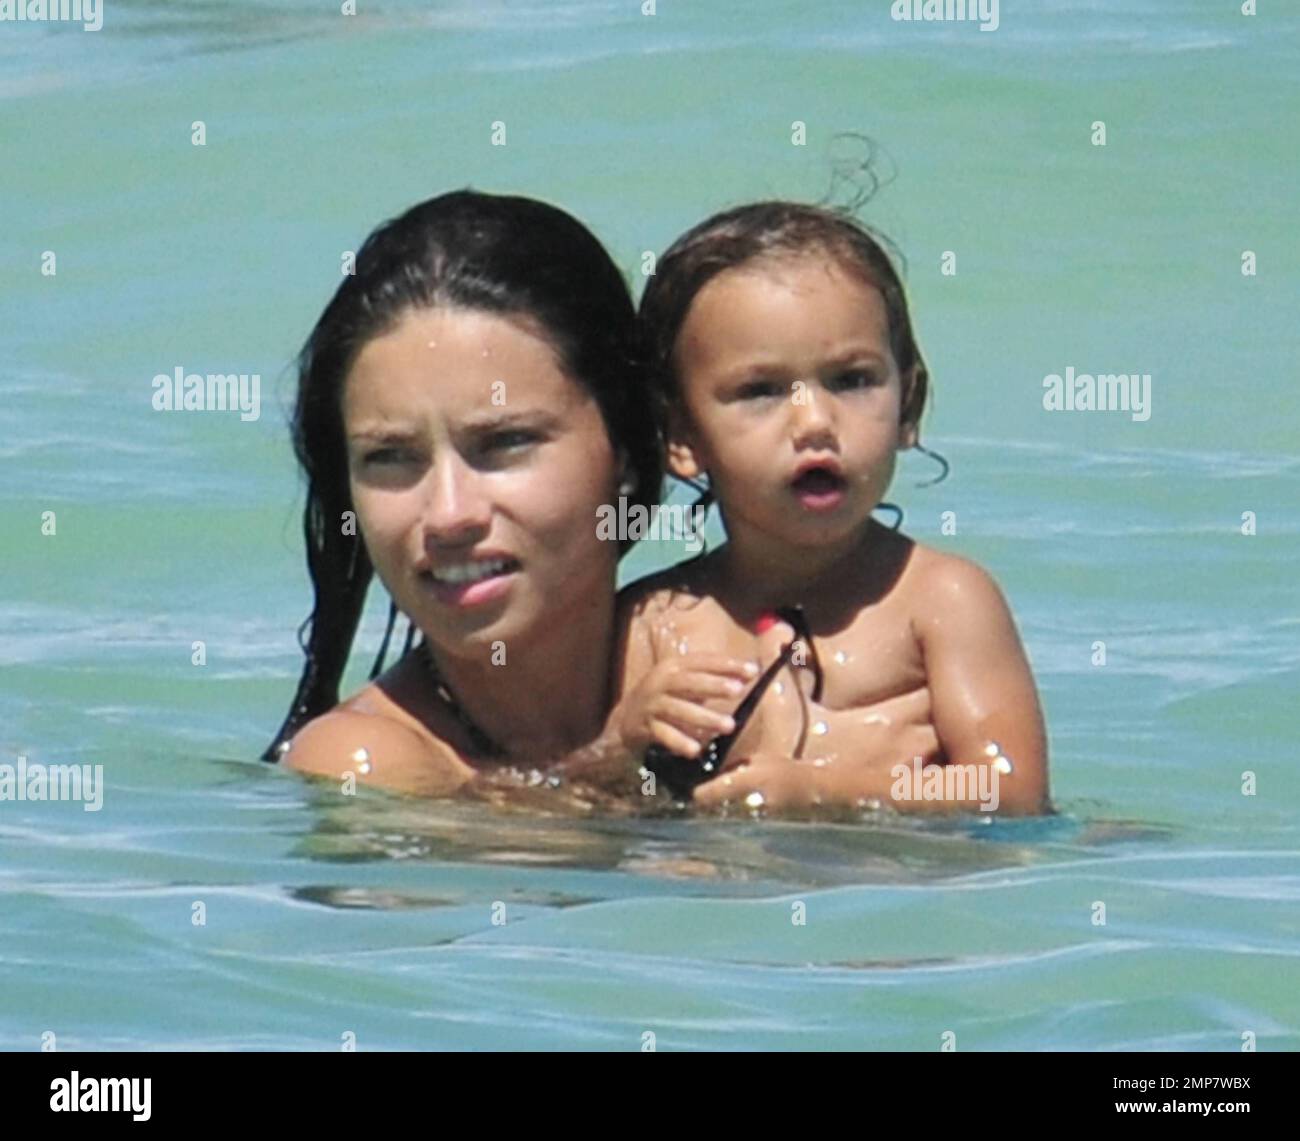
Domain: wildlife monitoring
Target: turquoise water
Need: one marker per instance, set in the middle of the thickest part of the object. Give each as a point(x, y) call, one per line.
point(376, 917)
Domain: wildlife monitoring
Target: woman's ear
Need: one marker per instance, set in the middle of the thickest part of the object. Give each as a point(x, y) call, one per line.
point(627, 480)
point(682, 460)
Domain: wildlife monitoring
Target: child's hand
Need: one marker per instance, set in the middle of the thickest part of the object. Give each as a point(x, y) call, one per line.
point(670, 706)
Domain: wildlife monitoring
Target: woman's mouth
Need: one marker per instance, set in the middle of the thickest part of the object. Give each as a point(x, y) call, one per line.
point(471, 582)
point(819, 488)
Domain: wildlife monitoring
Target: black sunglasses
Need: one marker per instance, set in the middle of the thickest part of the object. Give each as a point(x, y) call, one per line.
point(679, 774)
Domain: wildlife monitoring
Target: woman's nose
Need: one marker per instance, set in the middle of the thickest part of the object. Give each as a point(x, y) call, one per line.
point(457, 509)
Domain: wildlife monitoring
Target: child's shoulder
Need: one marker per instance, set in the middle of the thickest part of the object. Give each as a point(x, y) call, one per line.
point(945, 575)
point(938, 584)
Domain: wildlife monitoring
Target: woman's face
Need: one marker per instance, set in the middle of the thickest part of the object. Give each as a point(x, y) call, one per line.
point(477, 466)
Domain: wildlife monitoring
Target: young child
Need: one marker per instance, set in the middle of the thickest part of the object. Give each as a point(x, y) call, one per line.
point(789, 377)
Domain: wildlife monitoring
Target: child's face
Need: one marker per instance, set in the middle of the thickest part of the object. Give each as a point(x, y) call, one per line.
point(790, 399)
point(477, 467)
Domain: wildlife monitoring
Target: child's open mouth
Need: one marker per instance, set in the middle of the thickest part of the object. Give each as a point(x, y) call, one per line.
point(819, 488)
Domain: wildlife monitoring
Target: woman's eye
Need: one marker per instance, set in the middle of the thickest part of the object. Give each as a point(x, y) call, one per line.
point(386, 456)
point(510, 440)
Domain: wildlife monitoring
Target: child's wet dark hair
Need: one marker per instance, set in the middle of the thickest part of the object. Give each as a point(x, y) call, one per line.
point(771, 231)
point(467, 250)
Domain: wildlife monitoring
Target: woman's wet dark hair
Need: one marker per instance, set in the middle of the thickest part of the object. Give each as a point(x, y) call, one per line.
point(467, 250)
point(771, 231)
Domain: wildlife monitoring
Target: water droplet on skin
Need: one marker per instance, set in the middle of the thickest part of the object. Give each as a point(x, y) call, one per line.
point(754, 800)
point(361, 758)
point(876, 719)
point(820, 728)
point(778, 687)
point(1003, 765)
point(683, 647)
point(840, 657)
point(433, 344)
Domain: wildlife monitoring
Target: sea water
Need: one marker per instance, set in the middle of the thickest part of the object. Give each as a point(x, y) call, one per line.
point(215, 901)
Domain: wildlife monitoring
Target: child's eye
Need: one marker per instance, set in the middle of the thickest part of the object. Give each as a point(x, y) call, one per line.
point(761, 389)
point(854, 378)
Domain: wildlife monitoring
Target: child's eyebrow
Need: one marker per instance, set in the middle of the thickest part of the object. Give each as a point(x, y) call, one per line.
point(766, 366)
point(855, 354)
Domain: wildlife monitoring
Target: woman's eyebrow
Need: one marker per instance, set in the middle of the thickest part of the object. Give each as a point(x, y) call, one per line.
point(537, 418)
point(381, 433)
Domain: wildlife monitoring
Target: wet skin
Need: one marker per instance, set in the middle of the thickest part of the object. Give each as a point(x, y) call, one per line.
point(790, 401)
point(451, 470)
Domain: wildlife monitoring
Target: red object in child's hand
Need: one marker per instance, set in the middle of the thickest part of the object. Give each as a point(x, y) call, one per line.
point(765, 622)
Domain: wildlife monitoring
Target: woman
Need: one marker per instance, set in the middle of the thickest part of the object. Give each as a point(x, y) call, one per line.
point(466, 402)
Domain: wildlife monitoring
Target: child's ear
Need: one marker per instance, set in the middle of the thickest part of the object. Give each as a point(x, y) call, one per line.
point(907, 436)
point(682, 460)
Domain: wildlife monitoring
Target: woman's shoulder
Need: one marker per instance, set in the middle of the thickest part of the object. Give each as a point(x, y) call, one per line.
point(377, 746)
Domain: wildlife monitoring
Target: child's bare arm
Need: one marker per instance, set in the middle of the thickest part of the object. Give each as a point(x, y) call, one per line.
point(981, 692)
point(982, 689)
point(663, 699)
point(657, 701)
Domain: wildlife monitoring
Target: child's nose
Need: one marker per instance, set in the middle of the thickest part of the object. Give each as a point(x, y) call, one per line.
point(812, 423)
